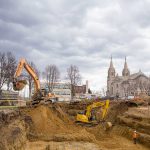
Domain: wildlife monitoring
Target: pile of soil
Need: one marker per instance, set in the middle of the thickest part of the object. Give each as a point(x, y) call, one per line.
point(52, 124)
point(46, 121)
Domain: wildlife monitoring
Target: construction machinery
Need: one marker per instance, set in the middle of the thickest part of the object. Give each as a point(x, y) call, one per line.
point(39, 94)
point(88, 116)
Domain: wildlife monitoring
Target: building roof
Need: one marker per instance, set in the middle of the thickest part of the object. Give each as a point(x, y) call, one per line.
point(135, 75)
point(131, 77)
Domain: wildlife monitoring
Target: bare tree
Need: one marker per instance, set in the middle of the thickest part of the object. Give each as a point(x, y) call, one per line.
point(7, 69)
point(74, 77)
point(3, 70)
point(52, 75)
point(11, 67)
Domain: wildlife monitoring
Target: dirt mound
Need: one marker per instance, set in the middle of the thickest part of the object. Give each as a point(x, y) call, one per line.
point(48, 120)
point(52, 124)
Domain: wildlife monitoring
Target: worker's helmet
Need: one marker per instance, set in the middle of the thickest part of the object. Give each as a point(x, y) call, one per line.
point(135, 131)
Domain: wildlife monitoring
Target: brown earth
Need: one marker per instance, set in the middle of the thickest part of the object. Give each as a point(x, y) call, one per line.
point(52, 124)
point(53, 127)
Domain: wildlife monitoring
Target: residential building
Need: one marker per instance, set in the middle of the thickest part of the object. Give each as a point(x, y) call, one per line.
point(81, 90)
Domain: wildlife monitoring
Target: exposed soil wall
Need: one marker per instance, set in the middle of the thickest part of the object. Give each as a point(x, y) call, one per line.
point(130, 121)
point(50, 127)
point(12, 131)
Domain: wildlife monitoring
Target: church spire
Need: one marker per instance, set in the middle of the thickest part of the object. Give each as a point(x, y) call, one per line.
point(125, 71)
point(125, 64)
point(111, 63)
point(111, 70)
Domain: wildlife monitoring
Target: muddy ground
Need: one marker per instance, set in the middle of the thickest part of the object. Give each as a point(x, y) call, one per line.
point(53, 127)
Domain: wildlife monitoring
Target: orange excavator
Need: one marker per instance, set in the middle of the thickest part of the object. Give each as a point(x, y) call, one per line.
point(39, 94)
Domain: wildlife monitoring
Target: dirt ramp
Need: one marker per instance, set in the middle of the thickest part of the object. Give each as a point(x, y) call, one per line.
point(46, 120)
point(52, 124)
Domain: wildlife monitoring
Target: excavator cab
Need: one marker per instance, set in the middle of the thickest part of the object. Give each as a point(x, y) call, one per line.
point(81, 117)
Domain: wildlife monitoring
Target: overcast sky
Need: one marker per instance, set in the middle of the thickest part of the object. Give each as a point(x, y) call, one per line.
point(80, 32)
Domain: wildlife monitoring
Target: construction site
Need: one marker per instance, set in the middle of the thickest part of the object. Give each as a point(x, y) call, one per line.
point(44, 123)
point(53, 126)
point(74, 75)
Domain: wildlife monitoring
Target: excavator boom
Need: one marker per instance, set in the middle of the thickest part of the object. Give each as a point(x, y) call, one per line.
point(85, 118)
point(39, 94)
point(19, 84)
point(105, 106)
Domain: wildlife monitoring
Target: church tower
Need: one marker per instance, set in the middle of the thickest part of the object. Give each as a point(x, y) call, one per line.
point(111, 70)
point(126, 71)
point(110, 78)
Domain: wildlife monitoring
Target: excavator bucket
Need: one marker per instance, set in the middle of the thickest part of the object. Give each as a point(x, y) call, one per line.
point(19, 85)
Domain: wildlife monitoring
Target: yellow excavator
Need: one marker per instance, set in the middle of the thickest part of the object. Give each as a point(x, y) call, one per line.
point(88, 118)
point(39, 94)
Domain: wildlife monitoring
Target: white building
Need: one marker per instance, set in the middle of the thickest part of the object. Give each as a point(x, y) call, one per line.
point(61, 89)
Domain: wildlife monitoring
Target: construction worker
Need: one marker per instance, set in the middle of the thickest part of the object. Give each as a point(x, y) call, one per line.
point(135, 136)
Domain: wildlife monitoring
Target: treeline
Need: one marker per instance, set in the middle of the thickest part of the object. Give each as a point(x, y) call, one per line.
point(7, 69)
point(51, 73)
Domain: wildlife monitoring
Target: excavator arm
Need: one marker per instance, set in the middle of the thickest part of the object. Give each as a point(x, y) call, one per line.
point(86, 117)
point(39, 94)
point(19, 85)
point(104, 106)
point(105, 109)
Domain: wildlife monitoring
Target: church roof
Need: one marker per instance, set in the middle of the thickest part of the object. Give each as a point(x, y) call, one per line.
point(119, 78)
point(123, 79)
point(135, 75)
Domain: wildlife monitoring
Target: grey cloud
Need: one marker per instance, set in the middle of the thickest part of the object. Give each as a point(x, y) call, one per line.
point(78, 32)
